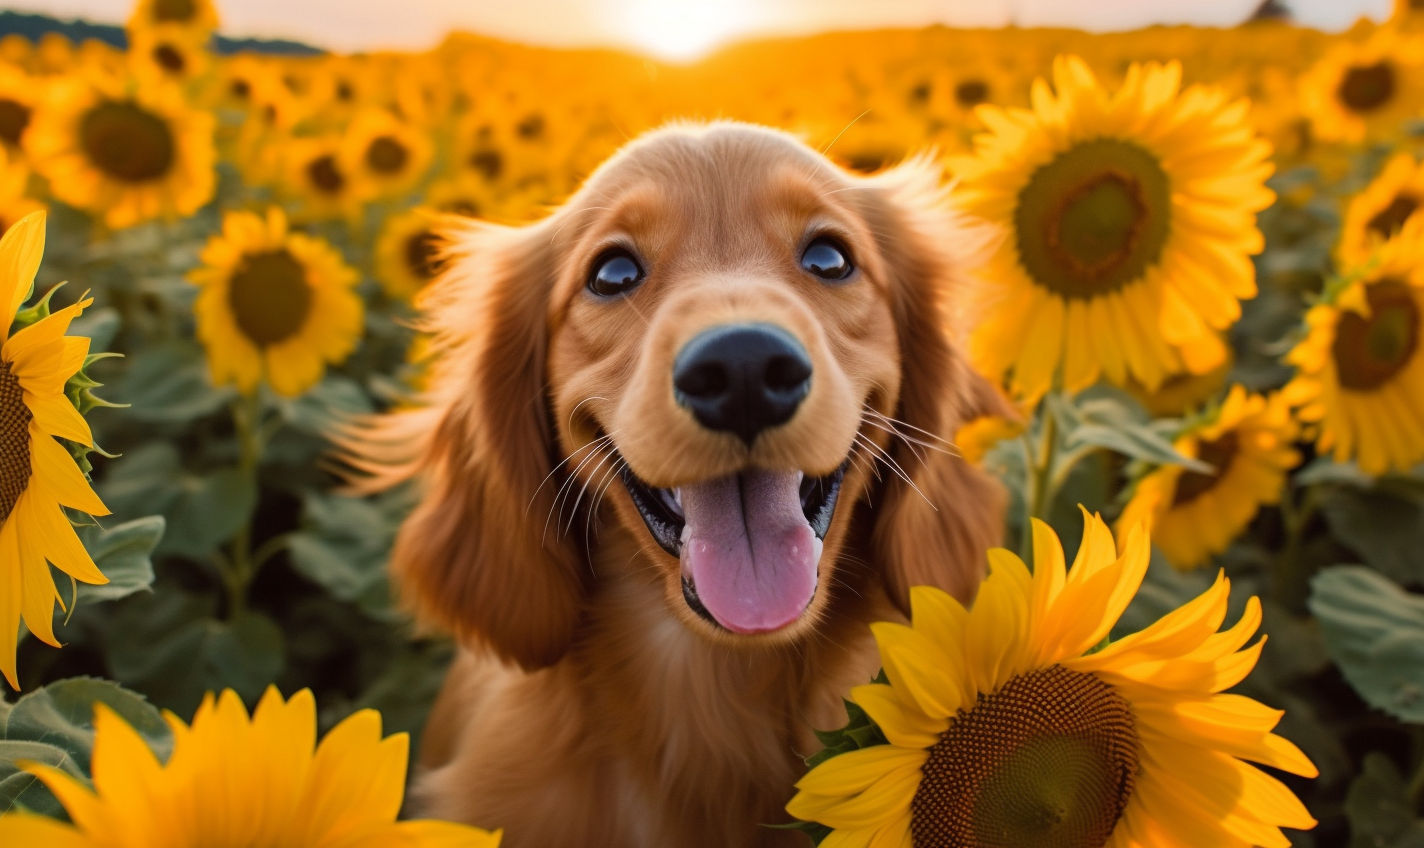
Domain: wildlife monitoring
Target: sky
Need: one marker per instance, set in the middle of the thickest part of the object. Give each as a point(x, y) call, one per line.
point(681, 29)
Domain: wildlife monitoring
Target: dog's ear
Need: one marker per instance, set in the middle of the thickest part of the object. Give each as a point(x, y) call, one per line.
point(469, 557)
point(936, 531)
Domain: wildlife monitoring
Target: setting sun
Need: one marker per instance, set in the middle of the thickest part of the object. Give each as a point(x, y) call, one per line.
point(682, 32)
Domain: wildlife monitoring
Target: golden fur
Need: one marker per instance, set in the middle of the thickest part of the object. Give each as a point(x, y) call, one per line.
point(590, 706)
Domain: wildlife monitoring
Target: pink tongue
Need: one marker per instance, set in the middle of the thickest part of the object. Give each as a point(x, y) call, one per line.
point(749, 550)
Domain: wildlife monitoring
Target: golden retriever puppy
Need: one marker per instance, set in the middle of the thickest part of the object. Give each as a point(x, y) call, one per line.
point(685, 441)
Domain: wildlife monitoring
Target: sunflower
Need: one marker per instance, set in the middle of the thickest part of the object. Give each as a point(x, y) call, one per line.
point(1004, 726)
point(1188, 390)
point(121, 150)
point(318, 178)
point(1194, 515)
point(38, 477)
point(18, 94)
point(385, 154)
point(169, 53)
point(1379, 212)
point(408, 253)
point(1131, 221)
point(1361, 91)
point(1360, 365)
point(239, 780)
point(14, 180)
point(198, 15)
point(274, 304)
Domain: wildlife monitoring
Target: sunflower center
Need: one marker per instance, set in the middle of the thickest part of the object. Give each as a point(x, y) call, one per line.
point(14, 117)
point(490, 163)
point(1218, 453)
point(1365, 88)
point(15, 468)
point(1369, 351)
point(971, 92)
point(127, 142)
point(324, 174)
point(1391, 218)
point(1093, 219)
point(386, 155)
point(270, 297)
point(422, 252)
point(175, 10)
point(169, 58)
point(1046, 762)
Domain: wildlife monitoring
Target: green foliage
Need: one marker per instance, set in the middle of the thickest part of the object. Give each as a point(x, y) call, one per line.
point(54, 725)
point(1381, 813)
point(1375, 633)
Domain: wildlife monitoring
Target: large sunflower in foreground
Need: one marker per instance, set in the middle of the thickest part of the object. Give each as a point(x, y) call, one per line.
point(1378, 213)
point(1360, 367)
point(1193, 515)
point(123, 151)
point(1130, 222)
point(274, 304)
point(1361, 91)
point(1005, 727)
point(238, 781)
point(38, 477)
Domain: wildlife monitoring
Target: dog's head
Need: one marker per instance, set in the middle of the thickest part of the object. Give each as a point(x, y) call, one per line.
point(733, 343)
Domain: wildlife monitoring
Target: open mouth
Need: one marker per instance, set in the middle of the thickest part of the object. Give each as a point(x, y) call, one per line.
point(749, 543)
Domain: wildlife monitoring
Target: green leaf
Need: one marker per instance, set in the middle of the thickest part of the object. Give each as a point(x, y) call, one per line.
point(169, 382)
point(177, 664)
point(1135, 441)
point(20, 790)
point(55, 725)
point(1379, 810)
point(1374, 631)
point(1386, 530)
point(344, 543)
point(329, 402)
point(62, 714)
point(123, 554)
point(202, 510)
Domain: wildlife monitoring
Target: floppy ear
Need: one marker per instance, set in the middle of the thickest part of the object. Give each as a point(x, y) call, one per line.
point(469, 557)
point(936, 532)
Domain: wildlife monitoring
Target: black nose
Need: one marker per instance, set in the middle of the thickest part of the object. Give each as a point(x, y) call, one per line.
point(742, 378)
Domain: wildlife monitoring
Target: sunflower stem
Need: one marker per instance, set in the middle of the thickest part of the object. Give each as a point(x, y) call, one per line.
point(1295, 518)
point(242, 565)
point(1037, 494)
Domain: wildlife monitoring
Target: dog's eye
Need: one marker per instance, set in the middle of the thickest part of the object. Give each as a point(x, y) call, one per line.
point(615, 273)
point(827, 260)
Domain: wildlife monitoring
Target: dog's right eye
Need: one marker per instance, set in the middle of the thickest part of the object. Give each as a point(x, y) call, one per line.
point(615, 273)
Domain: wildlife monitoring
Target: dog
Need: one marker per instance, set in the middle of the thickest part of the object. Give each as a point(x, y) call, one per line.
point(684, 441)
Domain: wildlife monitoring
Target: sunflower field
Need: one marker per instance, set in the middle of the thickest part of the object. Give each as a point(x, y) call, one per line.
point(1206, 305)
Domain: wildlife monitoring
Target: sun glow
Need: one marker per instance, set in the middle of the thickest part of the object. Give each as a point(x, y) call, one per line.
point(683, 31)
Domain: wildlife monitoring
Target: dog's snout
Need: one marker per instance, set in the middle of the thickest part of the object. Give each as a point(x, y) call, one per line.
point(742, 378)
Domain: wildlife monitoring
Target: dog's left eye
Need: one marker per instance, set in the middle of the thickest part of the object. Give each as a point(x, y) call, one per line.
point(827, 260)
point(615, 273)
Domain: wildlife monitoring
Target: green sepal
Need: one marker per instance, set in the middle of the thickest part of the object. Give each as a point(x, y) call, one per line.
point(859, 732)
point(35, 313)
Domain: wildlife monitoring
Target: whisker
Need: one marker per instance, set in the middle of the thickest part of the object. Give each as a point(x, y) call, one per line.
point(825, 149)
point(895, 467)
point(583, 490)
point(561, 497)
point(556, 468)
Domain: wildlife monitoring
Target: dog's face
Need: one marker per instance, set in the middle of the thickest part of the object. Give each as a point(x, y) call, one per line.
point(724, 354)
point(733, 342)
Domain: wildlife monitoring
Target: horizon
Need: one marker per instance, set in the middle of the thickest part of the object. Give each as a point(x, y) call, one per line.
point(686, 31)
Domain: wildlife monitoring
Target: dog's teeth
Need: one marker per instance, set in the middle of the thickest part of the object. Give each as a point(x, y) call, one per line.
point(816, 545)
point(677, 497)
point(687, 534)
point(800, 476)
